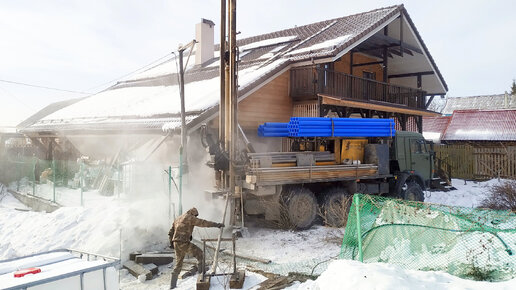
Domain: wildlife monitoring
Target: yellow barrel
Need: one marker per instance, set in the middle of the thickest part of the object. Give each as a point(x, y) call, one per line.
point(353, 149)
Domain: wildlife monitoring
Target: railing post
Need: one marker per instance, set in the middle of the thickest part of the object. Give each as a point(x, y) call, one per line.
point(356, 200)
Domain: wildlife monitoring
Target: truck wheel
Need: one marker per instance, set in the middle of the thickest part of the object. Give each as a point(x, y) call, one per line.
point(300, 207)
point(336, 207)
point(412, 191)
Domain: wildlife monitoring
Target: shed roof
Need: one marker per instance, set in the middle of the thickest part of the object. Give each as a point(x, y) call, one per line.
point(481, 125)
point(154, 93)
point(434, 127)
point(486, 102)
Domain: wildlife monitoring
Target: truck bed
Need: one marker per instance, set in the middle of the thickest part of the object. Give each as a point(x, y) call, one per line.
point(309, 174)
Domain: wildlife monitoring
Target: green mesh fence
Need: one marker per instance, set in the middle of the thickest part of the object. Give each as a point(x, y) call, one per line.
point(476, 244)
point(60, 181)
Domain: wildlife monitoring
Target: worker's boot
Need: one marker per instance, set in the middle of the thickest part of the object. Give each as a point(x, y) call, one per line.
point(173, 281)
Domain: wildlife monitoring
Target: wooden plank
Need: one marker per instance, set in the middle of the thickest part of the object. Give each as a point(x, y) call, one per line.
point(329, 100)
point(470, 162)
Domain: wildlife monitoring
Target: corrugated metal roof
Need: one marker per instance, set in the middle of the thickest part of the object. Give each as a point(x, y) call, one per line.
point(487, 102)
point(482, 125)
point(434, 127)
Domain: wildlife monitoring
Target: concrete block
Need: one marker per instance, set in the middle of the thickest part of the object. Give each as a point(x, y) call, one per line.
point(157, 259)
point(237, 280)
point(136, 270)
point(203, 284)
point(152, 267)
point(132, 256)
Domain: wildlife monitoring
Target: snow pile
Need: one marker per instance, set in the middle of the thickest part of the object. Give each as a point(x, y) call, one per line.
point(345, 274)
point(105, 229)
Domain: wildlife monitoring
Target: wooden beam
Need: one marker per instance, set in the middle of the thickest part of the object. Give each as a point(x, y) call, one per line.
point(423, 73)
point(367, 63)
point(351, 63)
point(385, 65)
point(330, 100)
point(384, 56)
point(429, 102)
point(393, 42)
point(401, 34)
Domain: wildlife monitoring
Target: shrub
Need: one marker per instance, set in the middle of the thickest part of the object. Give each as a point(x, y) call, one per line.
point(501, 197)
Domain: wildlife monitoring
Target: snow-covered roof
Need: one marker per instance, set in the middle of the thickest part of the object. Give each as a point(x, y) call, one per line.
point(480, 125)
point(487, 102)
point(4, 130)
point(154, 92)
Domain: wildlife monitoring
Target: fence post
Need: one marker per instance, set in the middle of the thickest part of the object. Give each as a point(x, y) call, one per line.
point(34, 175)
point(180, 207)
point(81, 176)
point(54, 180)
point(356, 201)
point(169, 191)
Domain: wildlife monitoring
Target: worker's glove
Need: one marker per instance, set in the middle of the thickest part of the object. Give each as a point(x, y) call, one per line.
point(220, 225)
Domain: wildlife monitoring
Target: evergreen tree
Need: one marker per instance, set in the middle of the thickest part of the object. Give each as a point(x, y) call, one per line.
point(513, 88)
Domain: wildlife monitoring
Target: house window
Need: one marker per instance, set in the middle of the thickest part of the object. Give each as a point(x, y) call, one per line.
point(369, 75)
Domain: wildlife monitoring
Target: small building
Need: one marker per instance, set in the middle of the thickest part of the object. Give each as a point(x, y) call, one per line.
point(477, 144)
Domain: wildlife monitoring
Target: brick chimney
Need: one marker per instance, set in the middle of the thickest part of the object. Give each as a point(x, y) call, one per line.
point(204, 35)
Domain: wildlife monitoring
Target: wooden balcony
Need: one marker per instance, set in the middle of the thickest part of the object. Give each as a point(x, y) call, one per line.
point(307, 83)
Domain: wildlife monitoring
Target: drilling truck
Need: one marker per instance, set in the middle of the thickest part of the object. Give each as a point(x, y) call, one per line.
point(325, 166)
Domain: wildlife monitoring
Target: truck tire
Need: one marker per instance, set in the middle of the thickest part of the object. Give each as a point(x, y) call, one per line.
point(300, 207)
point(412, 191)
point(335, 207)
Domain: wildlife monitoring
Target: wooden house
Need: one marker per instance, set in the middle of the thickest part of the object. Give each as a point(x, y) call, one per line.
point(371, 64)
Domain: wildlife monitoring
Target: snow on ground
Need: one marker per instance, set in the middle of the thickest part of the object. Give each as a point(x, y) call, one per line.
point(105, 223)
point(8, 201)
point(468, 193)
point(345, 274)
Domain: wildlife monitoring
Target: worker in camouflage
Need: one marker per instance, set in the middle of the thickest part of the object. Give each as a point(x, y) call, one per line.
point(180, 236)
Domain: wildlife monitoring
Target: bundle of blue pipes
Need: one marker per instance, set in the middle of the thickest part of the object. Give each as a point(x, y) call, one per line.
point(273, 130)
point(329, 127)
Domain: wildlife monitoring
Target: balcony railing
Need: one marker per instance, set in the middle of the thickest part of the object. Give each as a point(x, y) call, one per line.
point(306, 83)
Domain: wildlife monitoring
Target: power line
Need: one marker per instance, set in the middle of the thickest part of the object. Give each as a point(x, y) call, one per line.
point(43, 87)
point(128, 74)
point(92, 88)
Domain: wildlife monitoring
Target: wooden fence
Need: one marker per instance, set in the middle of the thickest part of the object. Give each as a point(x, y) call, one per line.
point(470, 162)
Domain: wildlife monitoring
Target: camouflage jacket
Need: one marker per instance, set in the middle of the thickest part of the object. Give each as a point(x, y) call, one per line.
point(183, 226)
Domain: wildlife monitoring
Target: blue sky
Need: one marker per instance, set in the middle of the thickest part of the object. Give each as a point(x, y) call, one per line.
point(85, 45)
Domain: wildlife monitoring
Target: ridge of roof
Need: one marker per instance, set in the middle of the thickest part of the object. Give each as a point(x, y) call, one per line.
point(479, 96)
point(322, 22)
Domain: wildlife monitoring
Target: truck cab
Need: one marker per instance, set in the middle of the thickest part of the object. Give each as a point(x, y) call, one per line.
point(413, 156)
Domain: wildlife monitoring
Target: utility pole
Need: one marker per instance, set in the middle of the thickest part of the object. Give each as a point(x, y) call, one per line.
point(233, 105)
point(183, 165)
